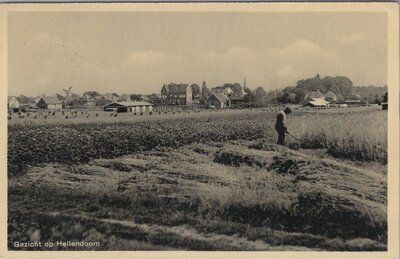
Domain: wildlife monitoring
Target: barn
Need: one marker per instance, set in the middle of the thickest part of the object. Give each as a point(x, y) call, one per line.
point(353, 102)
point(218, 100)
point(128, 107)
point(12, 103)
point(330, 97)
point(316, 102)
point(49, 103)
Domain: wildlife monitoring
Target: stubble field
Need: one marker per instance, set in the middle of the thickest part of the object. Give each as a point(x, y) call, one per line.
point(202, 182)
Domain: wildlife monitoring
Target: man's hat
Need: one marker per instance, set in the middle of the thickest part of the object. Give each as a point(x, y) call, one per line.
point(288, 110)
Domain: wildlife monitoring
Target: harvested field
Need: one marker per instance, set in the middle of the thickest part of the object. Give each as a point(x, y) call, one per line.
point(204, 191)
point(239, 198)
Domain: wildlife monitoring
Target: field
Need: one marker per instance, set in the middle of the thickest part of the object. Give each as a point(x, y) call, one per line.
point(201, 181)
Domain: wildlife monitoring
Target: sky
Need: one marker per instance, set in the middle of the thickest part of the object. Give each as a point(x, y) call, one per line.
point(137, 52)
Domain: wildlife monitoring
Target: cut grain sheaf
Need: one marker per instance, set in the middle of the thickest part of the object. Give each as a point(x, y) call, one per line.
point(234, 156)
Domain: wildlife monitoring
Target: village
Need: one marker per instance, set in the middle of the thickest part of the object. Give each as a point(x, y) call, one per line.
point(177, 97)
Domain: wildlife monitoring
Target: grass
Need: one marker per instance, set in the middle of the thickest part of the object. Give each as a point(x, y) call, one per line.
point(354, 136)
point(187, 199)
point(212, 183)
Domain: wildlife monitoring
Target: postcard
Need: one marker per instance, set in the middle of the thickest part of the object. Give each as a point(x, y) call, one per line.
point(200, 130)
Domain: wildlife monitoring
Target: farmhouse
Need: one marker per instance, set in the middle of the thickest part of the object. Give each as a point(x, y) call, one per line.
point(50, 103)
point(313, 95)
point(235, 90)
point(330, 97)
point(176, 94)
point(218, 100)
point(128, 107)
point(222, 90)
point(12, 103)
point(317, 102)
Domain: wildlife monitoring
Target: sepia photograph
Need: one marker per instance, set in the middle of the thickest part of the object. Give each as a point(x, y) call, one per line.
point(173, 129)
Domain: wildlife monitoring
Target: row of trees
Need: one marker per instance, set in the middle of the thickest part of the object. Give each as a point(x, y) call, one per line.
point(341, 86)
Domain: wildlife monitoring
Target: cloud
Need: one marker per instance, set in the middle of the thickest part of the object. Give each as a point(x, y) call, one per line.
point(354, 38)
point(272, 67)
point(51, 63)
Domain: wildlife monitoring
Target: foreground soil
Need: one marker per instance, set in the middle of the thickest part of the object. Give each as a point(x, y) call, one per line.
point(236, 195)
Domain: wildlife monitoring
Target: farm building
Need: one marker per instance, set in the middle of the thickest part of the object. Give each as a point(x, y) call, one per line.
point(330, 97)
point(49, 103)
point(353, 102)
point(198, 99)
point(313, 95)
point(176, 94)
point(12, 103)
point(93, 99)
point(235, 90)
point(222, 90)
point(317, 102)
point(128, 107)
point(218, 100)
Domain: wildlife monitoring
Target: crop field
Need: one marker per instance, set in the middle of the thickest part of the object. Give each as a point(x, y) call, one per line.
point(201, 181)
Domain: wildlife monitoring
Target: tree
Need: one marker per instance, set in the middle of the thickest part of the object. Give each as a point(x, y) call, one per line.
point(25, 99)
point(337, 85)
point(136, 97)
point(249, 97)
point(205, 91)
point(385, 98)
point(292, 98)
point(300, 95)
point(340, 98)
point(236, 88)
point(378, 99)
point(91, 94)
point(124, 97)
point(195, 90)
point(259, 93)
point(154, 99)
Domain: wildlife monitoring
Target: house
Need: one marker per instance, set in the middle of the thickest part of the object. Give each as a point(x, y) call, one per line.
point(222, 90)
point(316, 102)
point(13, 103)
point(330, 97)
point(176, 94)
point(218, 100)
point(198, 99)
point(313, 94)
point(93, 100)
point(235, 90)
point(128, 107)
point(49, 103)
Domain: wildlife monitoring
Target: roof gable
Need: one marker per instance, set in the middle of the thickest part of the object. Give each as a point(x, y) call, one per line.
point(9, 98)
point(220, 97)
point(329, 94)
point(52, 100)
point(318, 102)
point(177, 88)
point(128, 104)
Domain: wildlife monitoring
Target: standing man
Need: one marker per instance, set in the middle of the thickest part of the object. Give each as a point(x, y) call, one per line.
point(281, 125)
